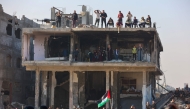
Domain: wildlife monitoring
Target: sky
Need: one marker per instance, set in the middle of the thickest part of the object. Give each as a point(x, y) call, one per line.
point(171, 16)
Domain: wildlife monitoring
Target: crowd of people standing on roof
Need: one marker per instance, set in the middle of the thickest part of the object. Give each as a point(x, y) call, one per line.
point(102, 16)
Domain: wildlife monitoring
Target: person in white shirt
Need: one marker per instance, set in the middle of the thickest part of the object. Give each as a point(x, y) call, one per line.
point(129, 15)
point(142, 22)
point(98, 13)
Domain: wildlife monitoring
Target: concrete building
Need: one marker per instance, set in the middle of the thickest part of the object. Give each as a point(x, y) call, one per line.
point(15, 84)
point(63, 82)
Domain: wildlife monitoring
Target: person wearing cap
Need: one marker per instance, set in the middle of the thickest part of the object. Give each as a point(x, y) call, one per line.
point(142, 22)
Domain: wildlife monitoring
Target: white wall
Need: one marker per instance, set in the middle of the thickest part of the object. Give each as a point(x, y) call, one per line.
point(25, 52)
point(134, 75)
point(39, 50)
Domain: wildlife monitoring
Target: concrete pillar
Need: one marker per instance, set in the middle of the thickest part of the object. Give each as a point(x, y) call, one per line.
point(107, 43)
point(46, 47)
point(81, 85)
point(107, 86)
point(13, 26)
point(52, 13)
point(73, 95)
point(71, 47)
point(37, 86)
point(53, 85)
point(144, 91)
point(114, 90)
point(1, 101)
point(155, 50)
point(44, 88)
point(75, 89)
point(71, 90)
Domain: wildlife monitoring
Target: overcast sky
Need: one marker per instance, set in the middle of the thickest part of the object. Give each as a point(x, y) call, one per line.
point(171, 16)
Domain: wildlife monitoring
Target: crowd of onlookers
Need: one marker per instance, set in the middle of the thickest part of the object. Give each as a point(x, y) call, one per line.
point(102, 15)
point(102, 54)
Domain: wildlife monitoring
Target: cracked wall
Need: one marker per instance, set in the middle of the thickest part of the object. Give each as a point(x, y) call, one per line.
point(20, 82)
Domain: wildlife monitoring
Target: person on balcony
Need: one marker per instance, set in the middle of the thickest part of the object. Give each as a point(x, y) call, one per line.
point(140, 53)
point(110, 53)
point(90, 55)
point(76, 53)
point(142, 22)
point(116, 54)
point(134, 52)
point(103, 54)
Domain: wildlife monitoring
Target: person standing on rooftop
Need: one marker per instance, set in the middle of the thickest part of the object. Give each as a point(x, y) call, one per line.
point(120, 17)
point(148, 21)
point(97, 12)
point(103, 18)
point(58, 19)
point(74, 18)
point(129, 15)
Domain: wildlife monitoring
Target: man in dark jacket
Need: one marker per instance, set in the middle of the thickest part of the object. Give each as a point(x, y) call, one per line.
point(110, 53)
point(177, 93)
point(135, 22)
point(74, 18)
point(103, 18)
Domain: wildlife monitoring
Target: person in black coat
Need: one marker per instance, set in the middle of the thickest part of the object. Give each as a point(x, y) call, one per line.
point(110, 53)
point(103, 18)
point(74, 18)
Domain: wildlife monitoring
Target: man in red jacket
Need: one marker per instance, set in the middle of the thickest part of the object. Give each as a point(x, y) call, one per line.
point(119, 23)
point(120, 16)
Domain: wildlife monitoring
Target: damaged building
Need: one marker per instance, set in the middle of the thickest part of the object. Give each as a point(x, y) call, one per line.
point(15, 84)
point(65, 80)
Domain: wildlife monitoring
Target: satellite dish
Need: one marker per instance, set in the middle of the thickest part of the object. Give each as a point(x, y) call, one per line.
point(82, 13)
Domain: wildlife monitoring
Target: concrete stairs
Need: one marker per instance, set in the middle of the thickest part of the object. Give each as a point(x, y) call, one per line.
point(65, 83)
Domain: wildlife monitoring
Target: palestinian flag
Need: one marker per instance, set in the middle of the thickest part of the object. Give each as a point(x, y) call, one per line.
point(105, 98)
